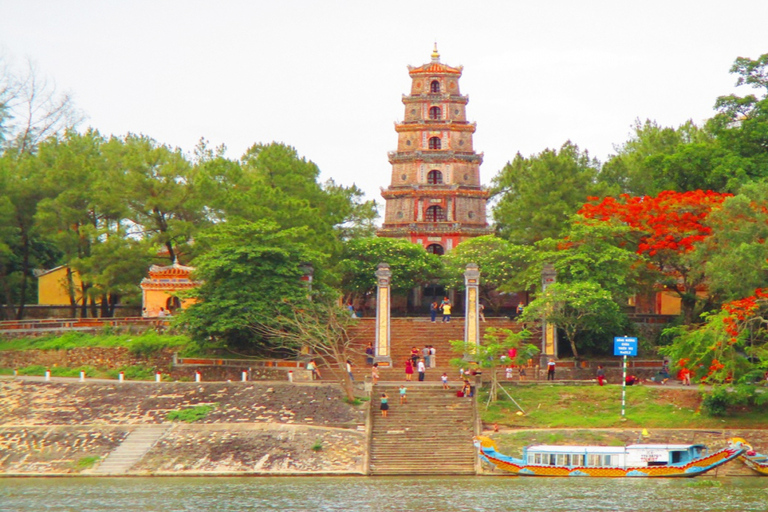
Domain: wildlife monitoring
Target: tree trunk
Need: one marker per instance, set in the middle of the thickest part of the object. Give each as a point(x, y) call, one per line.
point(25, 245)
point(572, 341)
point(71, 290)
point(688, 307)
point(346, 385)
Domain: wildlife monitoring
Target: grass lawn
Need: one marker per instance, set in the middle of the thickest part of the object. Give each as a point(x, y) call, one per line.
point(558, 406)
point(141, 344)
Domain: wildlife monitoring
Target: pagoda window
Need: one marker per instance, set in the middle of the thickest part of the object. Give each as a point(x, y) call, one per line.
point(435, 249)
point(434, 87)
point(435, 177)
point(435, 214)
point(435, 113)
point(434, 143)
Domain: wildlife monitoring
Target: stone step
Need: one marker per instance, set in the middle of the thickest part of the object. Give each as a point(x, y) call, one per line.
point(429, 435)
point(131, 450)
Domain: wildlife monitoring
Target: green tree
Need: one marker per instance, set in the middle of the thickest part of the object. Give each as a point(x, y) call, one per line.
point(410, 264)
point(504, 266)
point(574, 308)
point(273, 182)
point(735, 254)
point(598, 252)
point(660, 158)
point(159, 193)
point(741, 122)
point(86, 219)
point(536, 196)
point(492, 352)
point(250, 273)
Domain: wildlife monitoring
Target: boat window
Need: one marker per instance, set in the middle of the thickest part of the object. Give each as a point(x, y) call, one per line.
point(608, 460)
point(577, 459)
point(594, 460)
point(563, 459)
point(677, 456)
point(531, 458)
point(552, 459)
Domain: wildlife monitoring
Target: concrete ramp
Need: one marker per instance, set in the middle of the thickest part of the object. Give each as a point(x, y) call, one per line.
point(132, 449)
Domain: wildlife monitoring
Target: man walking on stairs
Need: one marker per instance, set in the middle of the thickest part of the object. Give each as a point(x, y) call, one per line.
point(422, 370)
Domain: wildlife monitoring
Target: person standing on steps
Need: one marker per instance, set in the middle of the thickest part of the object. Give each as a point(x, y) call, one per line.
point(408, 370)
point(432, 358)
point(369, 354)
point(349, 370)
point(481, 309)
point(433, 311)
point(414, 356)
point(384, 405)
point(422, 370)
point(403, 398)
point(447, 312)
point(312, 366)
point(444, 379)
point(375, 373)
point(551, 369)
point(425, 355)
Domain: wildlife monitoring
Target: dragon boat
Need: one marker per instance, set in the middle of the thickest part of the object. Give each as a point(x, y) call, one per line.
point(637, 460)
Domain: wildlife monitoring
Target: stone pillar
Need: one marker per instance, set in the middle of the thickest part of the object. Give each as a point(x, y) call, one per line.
point(472, 308)
point(548, 331)
point(382, 348)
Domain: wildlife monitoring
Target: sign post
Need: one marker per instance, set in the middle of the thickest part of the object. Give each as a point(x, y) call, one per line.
point(624, 346)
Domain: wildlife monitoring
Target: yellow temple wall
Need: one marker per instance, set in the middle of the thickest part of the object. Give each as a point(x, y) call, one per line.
point(670, 304)
point(52, 288)
point(156, 299)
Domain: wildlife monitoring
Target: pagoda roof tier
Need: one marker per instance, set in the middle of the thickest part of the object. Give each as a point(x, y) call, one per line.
point(435, 68)
point(427, 229)
point(416, 126)
point(147, 284)
point(421, 98)
point(435, 155)
point(432, 191)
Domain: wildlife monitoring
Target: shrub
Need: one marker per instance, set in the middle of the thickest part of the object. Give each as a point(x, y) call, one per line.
point(318, 446)
point(190, 414)
point(86, 462)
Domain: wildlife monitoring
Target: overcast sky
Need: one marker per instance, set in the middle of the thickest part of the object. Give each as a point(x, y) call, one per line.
point(327, 76)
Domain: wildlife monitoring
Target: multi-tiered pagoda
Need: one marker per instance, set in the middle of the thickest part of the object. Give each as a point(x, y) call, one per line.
point(435, 198)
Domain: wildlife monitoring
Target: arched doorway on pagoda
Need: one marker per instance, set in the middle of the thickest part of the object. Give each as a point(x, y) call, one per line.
point(435, 249)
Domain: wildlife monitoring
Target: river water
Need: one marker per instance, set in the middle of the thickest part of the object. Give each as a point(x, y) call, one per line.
point(350, 494)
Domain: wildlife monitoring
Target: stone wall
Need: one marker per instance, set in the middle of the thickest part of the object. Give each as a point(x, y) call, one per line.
point(255, 448)
point(186, 449)
point(98, 357)
point(277, 428)
point(32, 403)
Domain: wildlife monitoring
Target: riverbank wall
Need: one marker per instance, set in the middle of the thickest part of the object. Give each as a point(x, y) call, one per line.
point(70, 428)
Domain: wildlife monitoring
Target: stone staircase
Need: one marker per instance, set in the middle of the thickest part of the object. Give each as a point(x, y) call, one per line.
point(132, 449)
point(406, 333)
point(429, 435)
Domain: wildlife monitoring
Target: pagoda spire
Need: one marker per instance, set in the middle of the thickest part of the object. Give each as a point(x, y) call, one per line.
point(435, 198)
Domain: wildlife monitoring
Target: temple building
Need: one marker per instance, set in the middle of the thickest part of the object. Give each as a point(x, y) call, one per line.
point(160, 288)
point(435, 198)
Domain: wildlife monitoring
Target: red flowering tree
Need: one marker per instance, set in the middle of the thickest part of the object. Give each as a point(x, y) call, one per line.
point(666, 230)
point(731, 346)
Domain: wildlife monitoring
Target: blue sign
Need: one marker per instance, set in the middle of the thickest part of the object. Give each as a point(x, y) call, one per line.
point(624, 346)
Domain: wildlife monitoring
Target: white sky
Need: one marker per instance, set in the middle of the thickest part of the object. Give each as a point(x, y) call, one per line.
point(327, 76)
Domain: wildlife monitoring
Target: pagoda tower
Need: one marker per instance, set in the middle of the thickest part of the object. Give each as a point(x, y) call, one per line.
point(435, 198)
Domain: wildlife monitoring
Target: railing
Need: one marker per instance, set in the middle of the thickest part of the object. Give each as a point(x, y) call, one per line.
point(79, 323)
point(252, 363)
